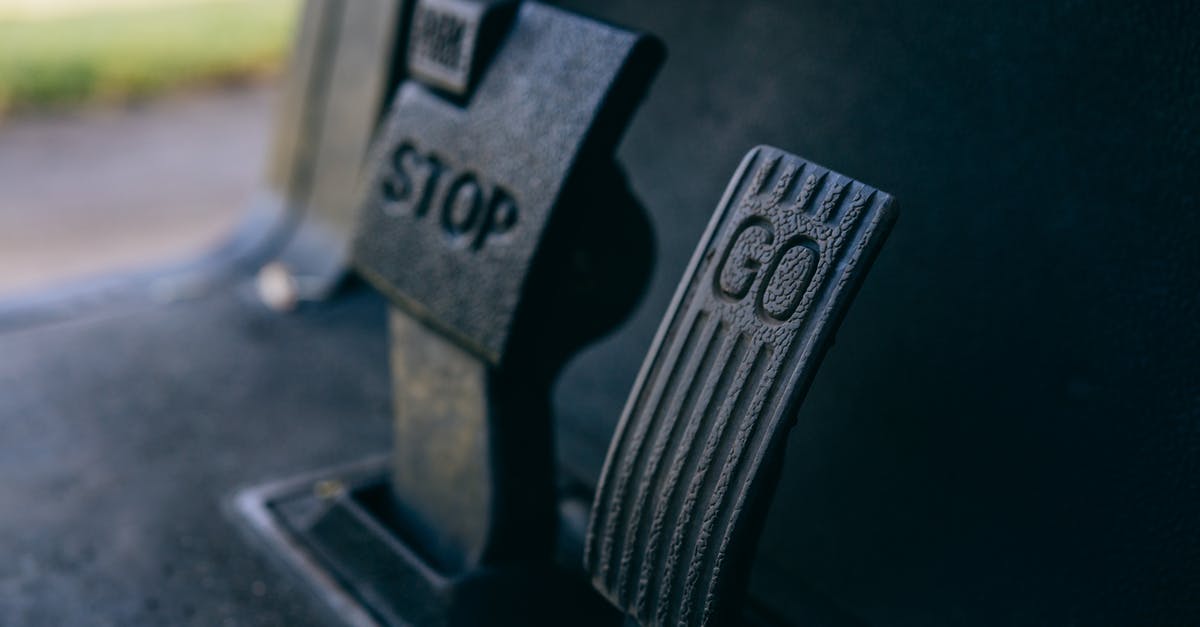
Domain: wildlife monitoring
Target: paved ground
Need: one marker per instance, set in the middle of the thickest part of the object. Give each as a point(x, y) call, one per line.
point(101, 190)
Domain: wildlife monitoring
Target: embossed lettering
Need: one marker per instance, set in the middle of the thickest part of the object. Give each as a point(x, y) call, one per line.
point(440, 36)
point(468, 209)
point(500, 217)
point(463, 203)
point(788, 276)
point(408, 186)
point(789, 269)
point(748, 241)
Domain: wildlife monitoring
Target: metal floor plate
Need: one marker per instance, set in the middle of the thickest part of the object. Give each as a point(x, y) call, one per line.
point(278, 513)
point(335, 529)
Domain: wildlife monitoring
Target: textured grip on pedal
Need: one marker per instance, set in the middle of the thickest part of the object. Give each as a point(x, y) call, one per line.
point(678, 510)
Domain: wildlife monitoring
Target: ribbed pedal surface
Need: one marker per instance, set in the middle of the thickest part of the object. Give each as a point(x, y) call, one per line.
point(676, 515)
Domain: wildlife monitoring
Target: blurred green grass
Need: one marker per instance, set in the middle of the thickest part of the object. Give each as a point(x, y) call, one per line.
point(136, 52)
